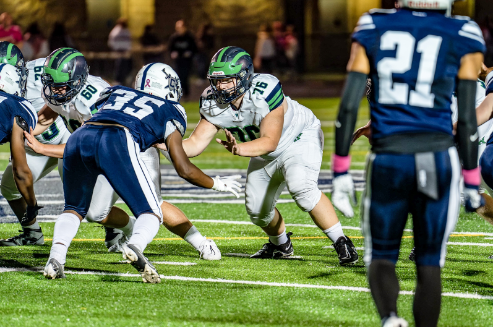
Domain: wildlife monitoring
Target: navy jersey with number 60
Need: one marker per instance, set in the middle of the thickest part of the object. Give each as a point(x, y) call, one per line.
point(414, 58)
point(149, 119)
point(10, 107)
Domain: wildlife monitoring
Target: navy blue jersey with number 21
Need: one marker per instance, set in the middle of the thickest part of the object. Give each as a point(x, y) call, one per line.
point(414, 59)
point(146, 116)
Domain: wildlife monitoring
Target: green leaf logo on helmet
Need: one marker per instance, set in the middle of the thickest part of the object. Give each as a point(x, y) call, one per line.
point(10, 54)
point(230, 62)
point(65, 73)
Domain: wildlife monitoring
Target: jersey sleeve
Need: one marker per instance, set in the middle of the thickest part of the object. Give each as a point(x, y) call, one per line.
point(269, 88)
point(173, 125)
point(470, 39)
point(489, 83)
point(365, 31)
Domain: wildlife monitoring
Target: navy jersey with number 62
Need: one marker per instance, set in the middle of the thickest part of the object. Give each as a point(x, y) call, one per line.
point(10, 107)
point(149, 119)
point(414, 59)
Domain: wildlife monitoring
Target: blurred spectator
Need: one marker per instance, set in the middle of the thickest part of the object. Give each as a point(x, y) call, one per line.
point(292, 50)
point(8, 31)
point(265, 50)
point(182, 48)
point(59, 38)
point(120, 40)
point(35, 45)
point(206, 47)
point(281, 61)
point(152, 48)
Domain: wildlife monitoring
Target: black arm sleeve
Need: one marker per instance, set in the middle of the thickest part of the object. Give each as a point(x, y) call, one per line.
point(467, 129)
point(348, 111)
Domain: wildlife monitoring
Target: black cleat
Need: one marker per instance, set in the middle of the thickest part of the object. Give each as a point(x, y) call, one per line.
point(346, 251)
point(28, 236)
point(272, 251)
point(412, 255)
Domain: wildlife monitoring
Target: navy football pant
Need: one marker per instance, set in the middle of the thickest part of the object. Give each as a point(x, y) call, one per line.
point(486, 164)
point(110, 151)
point(391, 193)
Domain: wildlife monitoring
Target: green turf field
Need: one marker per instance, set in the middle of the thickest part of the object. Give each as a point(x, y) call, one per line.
point(205, 294)
point(215, 156)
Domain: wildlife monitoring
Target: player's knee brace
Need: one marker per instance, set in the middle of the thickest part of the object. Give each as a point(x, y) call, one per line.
point(305, 194)
point(96, 214)
point(258, 217)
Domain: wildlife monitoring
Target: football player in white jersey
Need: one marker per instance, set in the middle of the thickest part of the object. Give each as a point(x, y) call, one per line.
point(54, 133)
point(284, 141)
point(75, 108)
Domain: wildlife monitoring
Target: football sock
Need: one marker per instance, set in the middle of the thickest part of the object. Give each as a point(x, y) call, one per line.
point(33, 226)
point(334, 232)
point(66, 227)
point(194, 238)
point(279, 239)
point(427, 298)
point(128, 229)
point(384, 286)
point(145, 228)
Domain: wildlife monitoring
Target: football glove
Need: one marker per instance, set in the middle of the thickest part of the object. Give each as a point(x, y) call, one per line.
point(30, 215)
point(227, 184)
point(343, 194)
point(472, 198)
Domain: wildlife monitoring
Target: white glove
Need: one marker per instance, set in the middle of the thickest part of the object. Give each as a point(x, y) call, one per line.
point(472, 199)
point(342, 191)
point(227, 184)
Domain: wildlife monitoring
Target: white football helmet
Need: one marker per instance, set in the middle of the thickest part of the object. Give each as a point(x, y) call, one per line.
point(10, 80)
point(160, 80)
point(428, 4)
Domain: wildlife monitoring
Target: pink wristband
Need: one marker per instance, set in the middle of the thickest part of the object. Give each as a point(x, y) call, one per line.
point(472, 176)
point(340, 164)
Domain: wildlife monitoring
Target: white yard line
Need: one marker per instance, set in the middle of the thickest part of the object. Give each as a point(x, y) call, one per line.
point(469, 244)
point(247, 282)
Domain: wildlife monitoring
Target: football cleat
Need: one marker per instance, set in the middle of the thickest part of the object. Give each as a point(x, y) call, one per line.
point(394, 321)
point(53, 269)
point(272, 251)
point(345, 251)
point(114, 239)
point(135, 257)
point(209, 251)
point(412, 255)
point(28, 236)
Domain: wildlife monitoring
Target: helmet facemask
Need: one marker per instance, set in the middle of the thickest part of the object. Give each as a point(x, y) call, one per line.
point(71, 74)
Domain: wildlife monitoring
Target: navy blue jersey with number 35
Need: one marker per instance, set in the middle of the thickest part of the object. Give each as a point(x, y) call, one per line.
point(414, 59)
point(146, 116)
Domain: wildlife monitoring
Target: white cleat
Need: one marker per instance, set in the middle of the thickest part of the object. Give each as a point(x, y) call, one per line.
point(135, 257)
point(53, 269)
point(394, 321)
point(209, 250)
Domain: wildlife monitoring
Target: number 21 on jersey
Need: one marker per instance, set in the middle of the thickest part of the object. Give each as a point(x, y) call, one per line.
point(405, 45)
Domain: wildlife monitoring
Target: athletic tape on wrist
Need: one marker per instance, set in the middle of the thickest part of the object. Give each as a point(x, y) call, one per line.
point(340, 164)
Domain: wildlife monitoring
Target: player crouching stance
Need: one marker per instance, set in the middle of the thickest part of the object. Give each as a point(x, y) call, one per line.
point(414, 166)
point(284, 141)
point(129, 121)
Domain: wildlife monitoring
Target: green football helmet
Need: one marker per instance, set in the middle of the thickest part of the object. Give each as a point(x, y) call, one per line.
point(10, 54)
point(64, 67)
point(230, 62)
